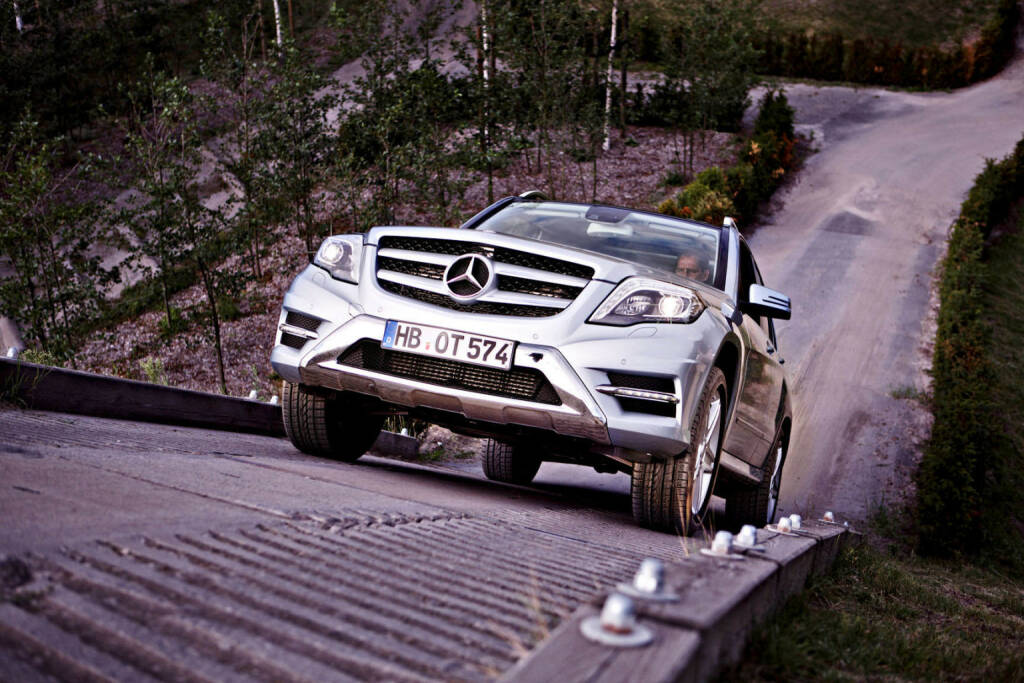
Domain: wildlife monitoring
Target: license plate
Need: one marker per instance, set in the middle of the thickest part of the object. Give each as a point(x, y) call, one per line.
point(441, 343)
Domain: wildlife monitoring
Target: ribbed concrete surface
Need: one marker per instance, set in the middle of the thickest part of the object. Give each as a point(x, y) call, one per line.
point(359, 596)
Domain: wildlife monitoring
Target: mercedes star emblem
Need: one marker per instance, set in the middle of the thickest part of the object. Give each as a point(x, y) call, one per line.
point(468, 276)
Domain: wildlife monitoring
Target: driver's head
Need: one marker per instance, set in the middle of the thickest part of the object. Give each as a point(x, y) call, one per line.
point(688, 265)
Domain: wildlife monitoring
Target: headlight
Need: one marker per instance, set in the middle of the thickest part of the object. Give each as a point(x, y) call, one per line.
point(639, 300)
point(340, 255)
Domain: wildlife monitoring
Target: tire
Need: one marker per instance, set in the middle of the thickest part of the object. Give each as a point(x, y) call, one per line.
point(325, 426)
point(666, 495)
point(757, 504)
point(510, 464)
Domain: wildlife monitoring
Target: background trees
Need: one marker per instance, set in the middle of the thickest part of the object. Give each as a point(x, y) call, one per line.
point(232, 140)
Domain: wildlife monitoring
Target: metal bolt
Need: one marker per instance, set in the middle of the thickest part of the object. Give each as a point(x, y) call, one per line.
point(648, 582)
point(618, 614)
point(796, 521)
point(273, 400)
point(747, 537)
point(722, 545)
point(828, 517)
point(12, 352)
point(617, 625)
point(253, 395)
point(785, 525)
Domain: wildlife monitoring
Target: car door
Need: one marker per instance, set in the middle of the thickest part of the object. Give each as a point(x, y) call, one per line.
point(761, 389)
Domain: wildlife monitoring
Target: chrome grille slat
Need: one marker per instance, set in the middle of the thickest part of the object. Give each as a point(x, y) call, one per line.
point(444, 260)
point(415, 281)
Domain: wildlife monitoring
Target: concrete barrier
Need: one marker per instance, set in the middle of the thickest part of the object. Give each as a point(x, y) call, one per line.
point(71, 391)
point(720, 602)
point(85, 393)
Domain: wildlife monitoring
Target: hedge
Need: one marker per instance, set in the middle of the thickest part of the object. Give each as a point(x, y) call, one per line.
point(738, 191)
point(832, 57)
point(955, 482)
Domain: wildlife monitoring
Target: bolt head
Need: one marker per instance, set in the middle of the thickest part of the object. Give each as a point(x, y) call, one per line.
point(796, 521)
point(747, 536)
point(618, 614)
point(785, 525)
point(650, 577)
point(722, 544)
point(828, 516)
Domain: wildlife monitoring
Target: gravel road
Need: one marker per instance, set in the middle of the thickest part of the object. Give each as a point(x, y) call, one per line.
point(855, 241)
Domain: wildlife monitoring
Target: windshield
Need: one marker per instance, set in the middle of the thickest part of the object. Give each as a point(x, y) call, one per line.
point(689, 249)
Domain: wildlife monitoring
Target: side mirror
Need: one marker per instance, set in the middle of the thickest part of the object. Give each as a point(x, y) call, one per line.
point(767, 302)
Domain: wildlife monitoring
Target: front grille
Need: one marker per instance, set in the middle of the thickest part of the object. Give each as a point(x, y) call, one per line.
point(477, 307)
point(293, 340)
point(526, 384)
point(430, 270)
point(538, 286)
point(645, 382)
point(303, 321)
point(500, 254)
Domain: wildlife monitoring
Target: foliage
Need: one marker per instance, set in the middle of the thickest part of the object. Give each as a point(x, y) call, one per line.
point(737, 191)
point(958, 480)
point(889, 61)
point(40, 357)
point(53, 279)
point(153, 370)
point(171, 224)
point(295, 144)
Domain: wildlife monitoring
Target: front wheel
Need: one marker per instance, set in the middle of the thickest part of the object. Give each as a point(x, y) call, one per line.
point(325, 425)
point(674, 495)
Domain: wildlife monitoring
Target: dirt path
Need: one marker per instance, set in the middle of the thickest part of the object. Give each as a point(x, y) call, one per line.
point(855, 243)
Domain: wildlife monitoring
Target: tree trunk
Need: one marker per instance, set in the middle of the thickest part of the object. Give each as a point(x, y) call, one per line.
point(277, 21)
point(18, 23)
point(608, 82)
point(211, 300)
point(624, 61)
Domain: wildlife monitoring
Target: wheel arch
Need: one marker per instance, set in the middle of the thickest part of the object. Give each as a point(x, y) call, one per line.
point(728, 361)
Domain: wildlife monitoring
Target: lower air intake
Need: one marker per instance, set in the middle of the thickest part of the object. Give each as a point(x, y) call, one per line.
point(525, 384)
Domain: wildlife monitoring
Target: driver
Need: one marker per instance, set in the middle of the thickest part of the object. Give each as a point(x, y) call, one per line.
point(689, 265)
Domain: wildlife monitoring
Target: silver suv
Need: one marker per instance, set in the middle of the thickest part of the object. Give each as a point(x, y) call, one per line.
point(603, 336)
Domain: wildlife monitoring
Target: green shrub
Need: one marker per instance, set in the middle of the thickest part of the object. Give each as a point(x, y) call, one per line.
point(170, 326)
point(153, 370)
point(738, 191)
point(958, 480)
point(40, 357)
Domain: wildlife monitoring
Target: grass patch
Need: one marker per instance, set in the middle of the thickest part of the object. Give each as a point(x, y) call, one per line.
point(882, 617)
point(912, 23)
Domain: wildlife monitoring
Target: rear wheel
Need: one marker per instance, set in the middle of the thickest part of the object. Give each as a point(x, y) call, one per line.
point(324, 425)
point(757, 504)
point(508, 463)
point(674, 495)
